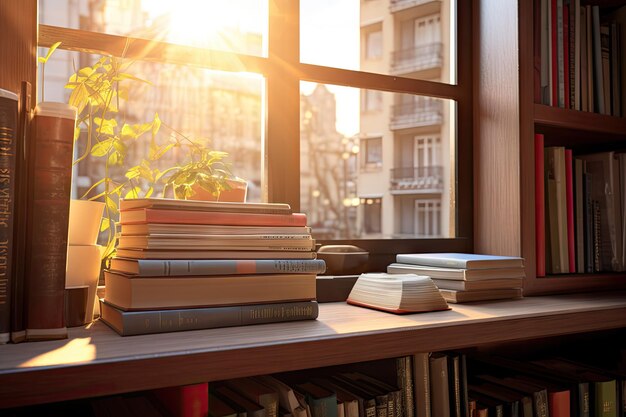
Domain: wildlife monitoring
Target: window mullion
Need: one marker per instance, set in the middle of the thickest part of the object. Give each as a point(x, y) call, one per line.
point(282, 130)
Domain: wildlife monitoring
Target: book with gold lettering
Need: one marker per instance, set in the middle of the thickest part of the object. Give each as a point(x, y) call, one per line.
point(129, 323)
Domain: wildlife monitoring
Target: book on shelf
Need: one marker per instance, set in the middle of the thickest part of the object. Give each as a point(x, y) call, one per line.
point(219, 408)
point(234, 242)
point(130, 323)
point(239, 403)
point(140, 216)
point(258, 392)
point(421, 375)
point(371, 395)
point(394, 393)
point(457, 273)
point(454, 296)
point(488, 284)
point(142, 293)
point(49, 189)
point(200, 205)
point(540, 214)
point(396, 293)
point(539, 394)
point(286, 396)
point(350, 402)
point(9, 136)
point(461, 260)
point(157, 254)
point(518, 404)
point(366, 401)
point(439, 388)
point(557, 209)
point(147, 229)
point(186, 400)
point(186, 267)
point(322, 402)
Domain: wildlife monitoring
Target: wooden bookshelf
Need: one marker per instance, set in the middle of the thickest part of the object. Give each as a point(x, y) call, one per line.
point(95, 361)
point(580, 121)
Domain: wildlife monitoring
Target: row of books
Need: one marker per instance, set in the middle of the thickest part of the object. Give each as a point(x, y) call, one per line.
point(579, 210)
point(463, 277)
point(578, 56)
point(188, 265)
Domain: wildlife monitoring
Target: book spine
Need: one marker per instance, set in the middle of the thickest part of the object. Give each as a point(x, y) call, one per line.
point(166, 268)
point(217, 218)
point(605, 49)
point(576, 55)
point(554, 54)
point(405, 380)
point(540, 214)
point(49, 204)
point(421, 373)
point(583, 400)
point(605, 399)
point(8, 138)
point(537, 28)
point(162, 321)
point(579, 215)
point(559, 404)
point(185, 401)
point(569, 204)
point(597, 62)
point(597, 237)
point(18, 327)
point(589, 222)
point(566, 56)
point(440, 394)
point(540, 399)
point(560, 64)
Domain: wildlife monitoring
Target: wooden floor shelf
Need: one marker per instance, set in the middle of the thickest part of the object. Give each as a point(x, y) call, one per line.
point(96, 361)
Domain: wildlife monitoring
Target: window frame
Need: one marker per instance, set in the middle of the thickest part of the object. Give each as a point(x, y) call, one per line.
point(283, 72)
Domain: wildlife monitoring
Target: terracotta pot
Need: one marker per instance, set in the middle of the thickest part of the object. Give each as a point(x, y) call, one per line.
point(236, 194)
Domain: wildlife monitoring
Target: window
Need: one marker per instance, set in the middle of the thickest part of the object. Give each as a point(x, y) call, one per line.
point(372, 150)
point(372, 215)
point(285, 71)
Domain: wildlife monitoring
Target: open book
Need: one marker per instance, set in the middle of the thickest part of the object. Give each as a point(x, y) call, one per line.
point(397, 293)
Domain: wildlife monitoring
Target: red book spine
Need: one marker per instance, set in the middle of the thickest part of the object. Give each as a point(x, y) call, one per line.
point(540, 215)
point(566, 79)
point(50, 168)
point(217, 218)
point(569, 201)
point(559, 404)
point(555, 61)
point(185, 401)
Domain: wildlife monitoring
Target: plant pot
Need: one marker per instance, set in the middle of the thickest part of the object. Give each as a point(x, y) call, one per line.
point(85, 218)
point(83, 269)
point(236, 194)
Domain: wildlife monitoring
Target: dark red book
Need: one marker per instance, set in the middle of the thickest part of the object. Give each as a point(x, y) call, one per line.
point(49, 187)
point(554, 58)
point(8, 138)
point(185, 401)
point(566, 58)
point(569, 205)
point(540, 214)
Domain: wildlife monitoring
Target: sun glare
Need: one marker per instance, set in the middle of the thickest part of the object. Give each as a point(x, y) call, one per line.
point(236, 25)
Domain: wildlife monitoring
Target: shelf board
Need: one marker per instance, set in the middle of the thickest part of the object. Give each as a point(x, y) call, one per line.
point(96, 361)
point(547, 117)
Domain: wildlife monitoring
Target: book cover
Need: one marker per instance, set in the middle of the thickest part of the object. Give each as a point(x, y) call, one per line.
point(394, 392)
point(8, 139)
point(195, 242)
point(421, 373)
point(185, 401)
point(182, 267)
point(439, 385)
point(569, 205)
point(201, 205)
point(131, 293)
point(456, 273)
point(488, 284)
point(140, 216)
point(461, 260)
point(598, 77)
point(238, 402)
point(157, 254)
point(49, 189)
point(579, 214)
point(557, 208)
point(454, 296)
point(323, 403)
point(540, 221)
point(147, 229)
point(286, 396)
point(367, 402)
point(130, 323)
point(351, 403)
point(554, 56)
point(379, 398)
point(257, 392)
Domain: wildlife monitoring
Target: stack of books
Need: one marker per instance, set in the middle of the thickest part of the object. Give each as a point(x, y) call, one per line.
point(187, 265)
point(463, 277)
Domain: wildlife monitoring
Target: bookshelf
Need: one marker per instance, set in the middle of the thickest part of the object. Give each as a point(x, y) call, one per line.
point(95, 361)
point(584, 132)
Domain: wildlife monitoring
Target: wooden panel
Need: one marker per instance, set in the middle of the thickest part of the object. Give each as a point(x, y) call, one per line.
point(496, 128)
point(95, 361)
point(18, 40)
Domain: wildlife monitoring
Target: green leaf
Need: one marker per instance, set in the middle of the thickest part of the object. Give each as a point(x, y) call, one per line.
point(156, 125)
point(105, 224)
point(50, 52)
point(132, 172)
point(101, 148)
point(113, 158)
point(133, 193)
point(111, 204)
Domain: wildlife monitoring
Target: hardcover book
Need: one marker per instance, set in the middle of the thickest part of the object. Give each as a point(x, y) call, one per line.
point(257, 392)
point(185, 401)
point(213, 254)
point(8, 139)
point(398, 294)
point(454, 296)
point(209, 230)
point(199, 205)
point(234, 242)
point(140, 216)
point(129, 323)
point(133, 293)
point(456, 273)
point(180, 267)
point(461, 260)
point(238, 402)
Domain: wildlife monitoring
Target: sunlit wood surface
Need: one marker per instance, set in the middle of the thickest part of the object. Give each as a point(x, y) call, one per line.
point(96, 361)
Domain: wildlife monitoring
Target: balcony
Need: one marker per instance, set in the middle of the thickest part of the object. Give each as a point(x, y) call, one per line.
point(423, 111)
point(397, 5)
point(417, 58)
point(428, 178)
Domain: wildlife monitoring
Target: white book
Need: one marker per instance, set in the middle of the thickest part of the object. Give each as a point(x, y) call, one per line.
point(461, 260)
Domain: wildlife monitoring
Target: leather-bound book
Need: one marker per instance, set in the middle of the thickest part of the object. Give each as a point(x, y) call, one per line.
point(50, 177)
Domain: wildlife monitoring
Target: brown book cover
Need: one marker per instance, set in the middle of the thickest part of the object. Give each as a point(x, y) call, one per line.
point(148, 215)
point(201, 205)
point(439, 385)
point(8, 138)
point(257, 392)
point(49, 188)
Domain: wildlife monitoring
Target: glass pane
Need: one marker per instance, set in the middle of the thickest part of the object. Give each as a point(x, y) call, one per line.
point(236, 25)
point(376, 172)
point(149, 129)
point(409, 38)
